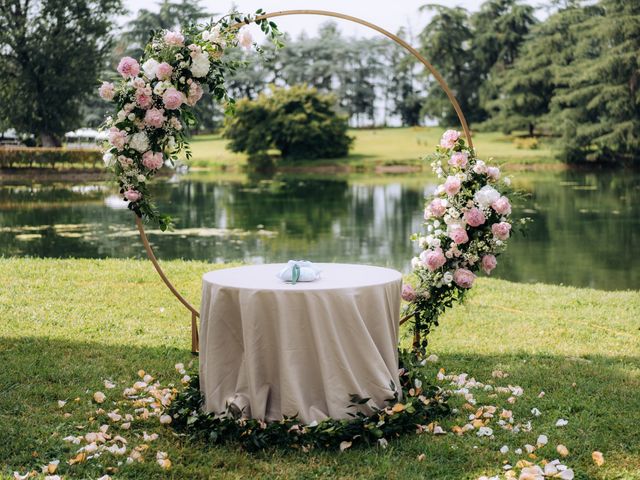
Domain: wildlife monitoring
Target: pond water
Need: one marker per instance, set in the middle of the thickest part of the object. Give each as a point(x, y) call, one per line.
point(585, 232)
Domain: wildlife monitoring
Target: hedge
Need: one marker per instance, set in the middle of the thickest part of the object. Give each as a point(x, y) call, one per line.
point(47, 157)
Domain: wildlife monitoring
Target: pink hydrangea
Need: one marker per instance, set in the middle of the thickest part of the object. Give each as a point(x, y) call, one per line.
point(152, 160)
point(154, 117)
point(433, 259)
point(459, 235)
point(172, 98)
point(501, 230)
point(436, 208)
point(464, 278)
point(452, 185)
point(502, 206)
point(174, 38)
point(195, 94)
point(459, 159)
point(489, 262)
point(493, 173)
point(408, 293)
point(132, 195)
point(474, 217)
point(129, 67)
point(107, 91)
point(117, 137)
point(164, 71)
point(449, 138)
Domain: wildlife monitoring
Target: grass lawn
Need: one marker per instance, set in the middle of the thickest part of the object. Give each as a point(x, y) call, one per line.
point(387, 147)
point(67, 325)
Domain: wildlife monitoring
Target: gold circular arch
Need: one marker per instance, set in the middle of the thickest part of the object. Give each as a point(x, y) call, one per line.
point(283, 13)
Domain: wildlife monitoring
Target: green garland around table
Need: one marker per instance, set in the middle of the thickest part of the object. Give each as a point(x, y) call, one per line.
point(420, 404)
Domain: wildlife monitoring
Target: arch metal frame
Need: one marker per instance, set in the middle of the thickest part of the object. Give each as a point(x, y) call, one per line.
point(283, 13)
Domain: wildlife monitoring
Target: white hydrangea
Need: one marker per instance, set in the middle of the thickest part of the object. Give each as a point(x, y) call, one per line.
point(108, 159)
point(139, 142)
point(486, 196)
point(200, 64)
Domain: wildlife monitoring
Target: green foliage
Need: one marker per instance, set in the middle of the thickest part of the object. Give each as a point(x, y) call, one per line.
point(51, 52)
point(298, 121)
point(405, 413)
point(48, 157)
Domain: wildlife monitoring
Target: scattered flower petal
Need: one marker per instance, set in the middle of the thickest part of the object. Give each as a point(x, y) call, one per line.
point(562, 450)
point(99, 397)
point(562, 422)
point(598, 458)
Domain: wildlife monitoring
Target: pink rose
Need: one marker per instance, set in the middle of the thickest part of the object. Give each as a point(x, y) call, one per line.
point(164, 71)
point(459, 236)
point(474, 217)
point(143, 99)
point(489, 262)
point(245, 40)
point(452, 185)
point(436, 209)
point(128, 67)
point(464, 278)
point(117, 138)
point(154, 117)
point(132, 195)
point(459, 159)
point(408, 293)
point(501, 230)
point(195, 94)
point(174, 38)
point(502, 206)
point(449, 138)
point(433, 259)
point(493, 172)
point(152, 160)
point(107, 91)
point(172, 98)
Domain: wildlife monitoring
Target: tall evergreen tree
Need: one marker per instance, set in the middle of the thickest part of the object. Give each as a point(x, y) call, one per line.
point(597, 104)
point(51, 52)
point(446, 43)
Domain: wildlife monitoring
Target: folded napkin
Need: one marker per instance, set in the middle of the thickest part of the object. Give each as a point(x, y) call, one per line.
point(299, 271)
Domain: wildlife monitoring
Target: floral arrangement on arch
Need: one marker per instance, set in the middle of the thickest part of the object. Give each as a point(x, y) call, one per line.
point(468, 222)
point(155, 95)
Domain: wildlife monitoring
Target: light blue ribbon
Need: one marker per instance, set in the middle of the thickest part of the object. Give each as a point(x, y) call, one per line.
point(295, 274)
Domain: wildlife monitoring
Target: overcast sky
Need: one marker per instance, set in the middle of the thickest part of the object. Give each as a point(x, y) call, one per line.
point(390, 15)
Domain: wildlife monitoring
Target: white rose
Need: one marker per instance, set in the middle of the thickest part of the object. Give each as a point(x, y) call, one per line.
point(415, 262)
point(139, 142)
point(150, 67)
point(131, 116)
point(447, 278)
point(486, 196)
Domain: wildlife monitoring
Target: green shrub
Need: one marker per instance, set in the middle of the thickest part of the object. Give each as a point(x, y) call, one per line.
point(298, 121)
point(47, 157)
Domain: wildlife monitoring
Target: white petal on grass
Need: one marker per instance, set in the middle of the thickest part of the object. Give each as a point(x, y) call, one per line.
point(165, 419)
point(504, 450)
point(433, 358)
point(344, 446)
point(99, 397)
point(61, 403)
point(562, 422)
point(485, 432)
point(108, 384)
point(542, 440)
point(536, 412)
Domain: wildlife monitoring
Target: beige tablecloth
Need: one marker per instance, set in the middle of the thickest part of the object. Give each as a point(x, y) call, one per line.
point(275, 349)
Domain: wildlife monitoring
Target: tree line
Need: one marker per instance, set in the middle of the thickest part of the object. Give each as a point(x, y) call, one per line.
point(573, 75)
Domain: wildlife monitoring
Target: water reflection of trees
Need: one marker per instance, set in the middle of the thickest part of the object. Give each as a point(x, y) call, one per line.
point(584, 231)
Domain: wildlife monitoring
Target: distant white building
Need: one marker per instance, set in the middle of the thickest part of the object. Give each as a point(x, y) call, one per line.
point(84, 138)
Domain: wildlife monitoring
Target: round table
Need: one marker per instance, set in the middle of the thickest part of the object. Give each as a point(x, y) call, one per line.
point(271, 348)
